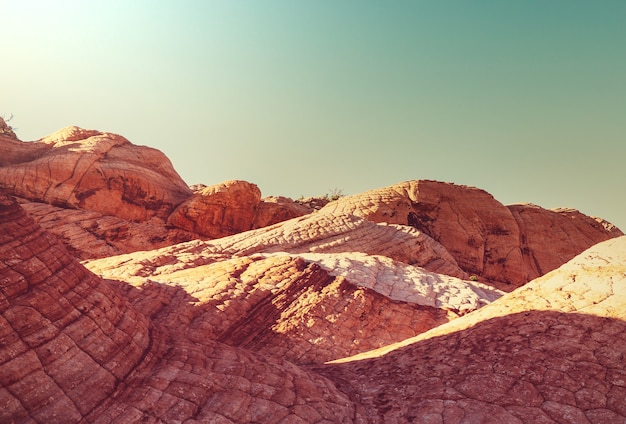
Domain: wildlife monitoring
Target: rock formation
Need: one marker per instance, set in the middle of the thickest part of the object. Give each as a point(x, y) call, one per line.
point(211, 304)
point(552, 351)
point(219, 210)
point(216, 337)
point(91, 235)
point(499, 243)
point(85, 169)
point(74, 349)
point(275, 209)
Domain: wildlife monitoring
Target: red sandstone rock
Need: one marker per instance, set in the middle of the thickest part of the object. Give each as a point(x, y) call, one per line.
point(552, 351)
point(219, 210)
point(485, 237)
point(275, 209)
point(72, 349)
point(91, 170)
point(91, 235)
point(200, 334)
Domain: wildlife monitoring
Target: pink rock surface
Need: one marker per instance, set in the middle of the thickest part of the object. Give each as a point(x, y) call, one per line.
point(219, 210)
point(501, 244)
point(552, 351)
point(92, 170)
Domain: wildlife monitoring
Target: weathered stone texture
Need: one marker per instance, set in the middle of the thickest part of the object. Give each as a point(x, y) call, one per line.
point(485, 237)
point(92, 170)
point(90, 235)
point(63, 332)
point(551, 351)
point(219, 210)
point(72, 349)
point(275, 209)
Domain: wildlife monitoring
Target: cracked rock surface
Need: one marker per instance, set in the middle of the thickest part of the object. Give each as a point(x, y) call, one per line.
point(552, 351)
point(410, 303)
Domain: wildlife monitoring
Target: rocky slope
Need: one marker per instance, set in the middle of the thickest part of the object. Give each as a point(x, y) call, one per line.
point(552, 351)
point(211, 304)
point(221, 341)
point(503, 244)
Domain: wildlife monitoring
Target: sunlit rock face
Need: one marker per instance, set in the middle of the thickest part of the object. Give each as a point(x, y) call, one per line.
point(510, 245)
point(217, 305)
point(552, 351)
point(102, 172)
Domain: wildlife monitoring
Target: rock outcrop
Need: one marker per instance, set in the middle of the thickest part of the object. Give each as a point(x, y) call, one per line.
point(208, 336)
point(74, 349)
point(211, 304)
point(219, 210)
point(63, 332)
point(86, 169)
point(275, 209)
point(485, 237)
point(316, 233)
point(552, 351)
point(91, 235)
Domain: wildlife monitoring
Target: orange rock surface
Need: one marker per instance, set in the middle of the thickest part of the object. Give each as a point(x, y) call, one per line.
point(211, 304)
point(510, 245)
point(92, 170)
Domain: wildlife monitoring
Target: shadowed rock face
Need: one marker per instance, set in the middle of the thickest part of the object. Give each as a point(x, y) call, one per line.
point(530, 367)
point(228, 339)
point(73, 348)
point(63, 331)
point(552, 351)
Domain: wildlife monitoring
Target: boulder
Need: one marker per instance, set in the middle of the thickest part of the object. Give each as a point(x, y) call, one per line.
point(219, 210)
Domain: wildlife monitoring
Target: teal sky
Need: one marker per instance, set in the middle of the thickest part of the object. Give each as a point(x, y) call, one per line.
point(525, 99)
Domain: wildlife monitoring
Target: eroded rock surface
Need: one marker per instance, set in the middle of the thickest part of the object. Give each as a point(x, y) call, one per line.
point(219, 210)
point(316, 233)
point(552, 351)
point(90, 235)
point(275, 209)
point(98, 171)
point(486, 238)
point(74, 349)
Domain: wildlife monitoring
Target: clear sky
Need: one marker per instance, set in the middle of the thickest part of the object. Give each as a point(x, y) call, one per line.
point(525, 99)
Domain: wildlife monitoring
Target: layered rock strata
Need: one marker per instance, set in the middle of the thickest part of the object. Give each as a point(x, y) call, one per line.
point(501, 244)
point(102, 172)
point(73, 349)
point(552, 351)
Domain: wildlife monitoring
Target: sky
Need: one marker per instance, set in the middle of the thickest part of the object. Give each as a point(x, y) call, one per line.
point(524, 99)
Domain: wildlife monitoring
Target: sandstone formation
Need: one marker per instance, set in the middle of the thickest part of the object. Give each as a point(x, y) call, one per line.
point(73, 349)
point(316, 233)
point(86, 169)
point(208, 336)
point(552, 351)
point(503, 244)
point(91, 235)
point(211, 304)
point(275, 209)
point(219, 210)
